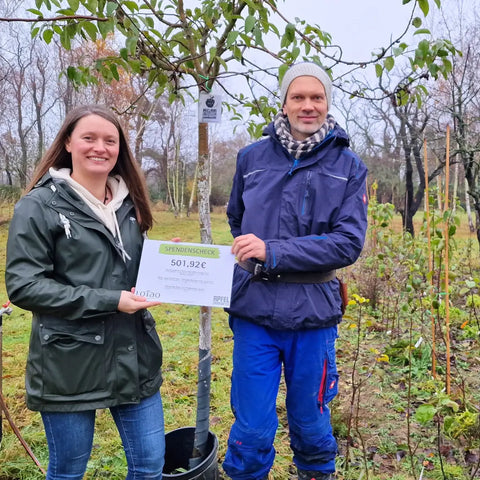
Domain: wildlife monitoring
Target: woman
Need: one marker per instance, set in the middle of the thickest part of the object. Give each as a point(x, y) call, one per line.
point(73, 253)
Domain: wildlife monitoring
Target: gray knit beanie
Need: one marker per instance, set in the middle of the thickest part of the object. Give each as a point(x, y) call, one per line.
point(306, 69)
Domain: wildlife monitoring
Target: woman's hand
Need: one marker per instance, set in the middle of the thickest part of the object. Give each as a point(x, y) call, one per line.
point(131, 303)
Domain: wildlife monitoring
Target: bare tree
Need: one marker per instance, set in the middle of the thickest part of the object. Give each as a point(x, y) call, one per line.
point(392, 133)
point(458, 101)
point(28, 94)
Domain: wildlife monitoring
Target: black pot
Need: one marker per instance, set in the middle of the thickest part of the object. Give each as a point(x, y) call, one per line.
point(178, 451)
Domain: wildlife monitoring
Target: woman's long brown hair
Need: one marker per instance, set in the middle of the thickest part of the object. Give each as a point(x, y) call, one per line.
point(58, 157)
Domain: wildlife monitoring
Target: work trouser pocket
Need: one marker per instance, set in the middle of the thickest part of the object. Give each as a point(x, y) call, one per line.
point(329, 378)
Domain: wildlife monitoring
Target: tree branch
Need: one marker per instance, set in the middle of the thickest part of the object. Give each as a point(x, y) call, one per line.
point(55, 19)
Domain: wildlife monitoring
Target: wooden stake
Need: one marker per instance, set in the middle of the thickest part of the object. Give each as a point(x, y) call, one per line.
point(447, 308)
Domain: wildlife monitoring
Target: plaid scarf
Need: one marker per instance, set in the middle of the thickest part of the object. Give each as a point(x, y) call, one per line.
point(298, 148)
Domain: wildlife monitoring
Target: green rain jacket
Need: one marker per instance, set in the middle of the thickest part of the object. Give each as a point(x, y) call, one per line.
point(66, 267)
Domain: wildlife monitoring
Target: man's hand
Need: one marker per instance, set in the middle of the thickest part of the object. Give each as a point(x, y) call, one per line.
point(249, 246)
point(131, 303)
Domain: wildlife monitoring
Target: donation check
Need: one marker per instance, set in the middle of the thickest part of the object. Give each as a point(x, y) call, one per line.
point(188, 273)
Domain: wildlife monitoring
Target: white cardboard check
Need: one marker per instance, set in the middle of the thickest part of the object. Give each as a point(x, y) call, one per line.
point(186, 273)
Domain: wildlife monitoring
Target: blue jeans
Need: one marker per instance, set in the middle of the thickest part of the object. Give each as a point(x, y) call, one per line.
point(141, 428)
point(311, 378)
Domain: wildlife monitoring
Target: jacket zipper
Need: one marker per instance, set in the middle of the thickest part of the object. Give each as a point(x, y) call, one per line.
point(306, 196)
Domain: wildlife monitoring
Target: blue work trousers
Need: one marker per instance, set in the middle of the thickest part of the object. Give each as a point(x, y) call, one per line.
point(141, 427)
point(311, 378)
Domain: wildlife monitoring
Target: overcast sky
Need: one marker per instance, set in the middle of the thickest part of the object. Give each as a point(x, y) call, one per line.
point(359, 26)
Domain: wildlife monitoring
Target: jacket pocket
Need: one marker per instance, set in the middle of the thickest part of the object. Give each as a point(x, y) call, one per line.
point(150, 349)
point(329, 379)
point(73, 359)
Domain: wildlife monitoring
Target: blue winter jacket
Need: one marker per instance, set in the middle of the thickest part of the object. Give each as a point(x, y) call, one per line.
point(312, 215)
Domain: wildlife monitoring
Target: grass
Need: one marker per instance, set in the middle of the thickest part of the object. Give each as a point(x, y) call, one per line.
point(178, 328)
point(373, 399)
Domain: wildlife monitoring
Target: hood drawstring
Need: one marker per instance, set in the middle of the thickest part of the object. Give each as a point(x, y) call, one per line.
point(66, 225)
point(119, 242)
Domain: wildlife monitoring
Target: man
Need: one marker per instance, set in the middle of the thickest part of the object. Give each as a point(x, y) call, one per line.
point(297, 212)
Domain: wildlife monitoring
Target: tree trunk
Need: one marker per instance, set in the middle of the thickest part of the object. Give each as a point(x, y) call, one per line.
point(204, 361)
point(407, 217)
point(439, 193)
point(455, 188)
point(477, 221)
point(192, 194)
point(471, 174)
point(204, 184)
point(468, 208)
